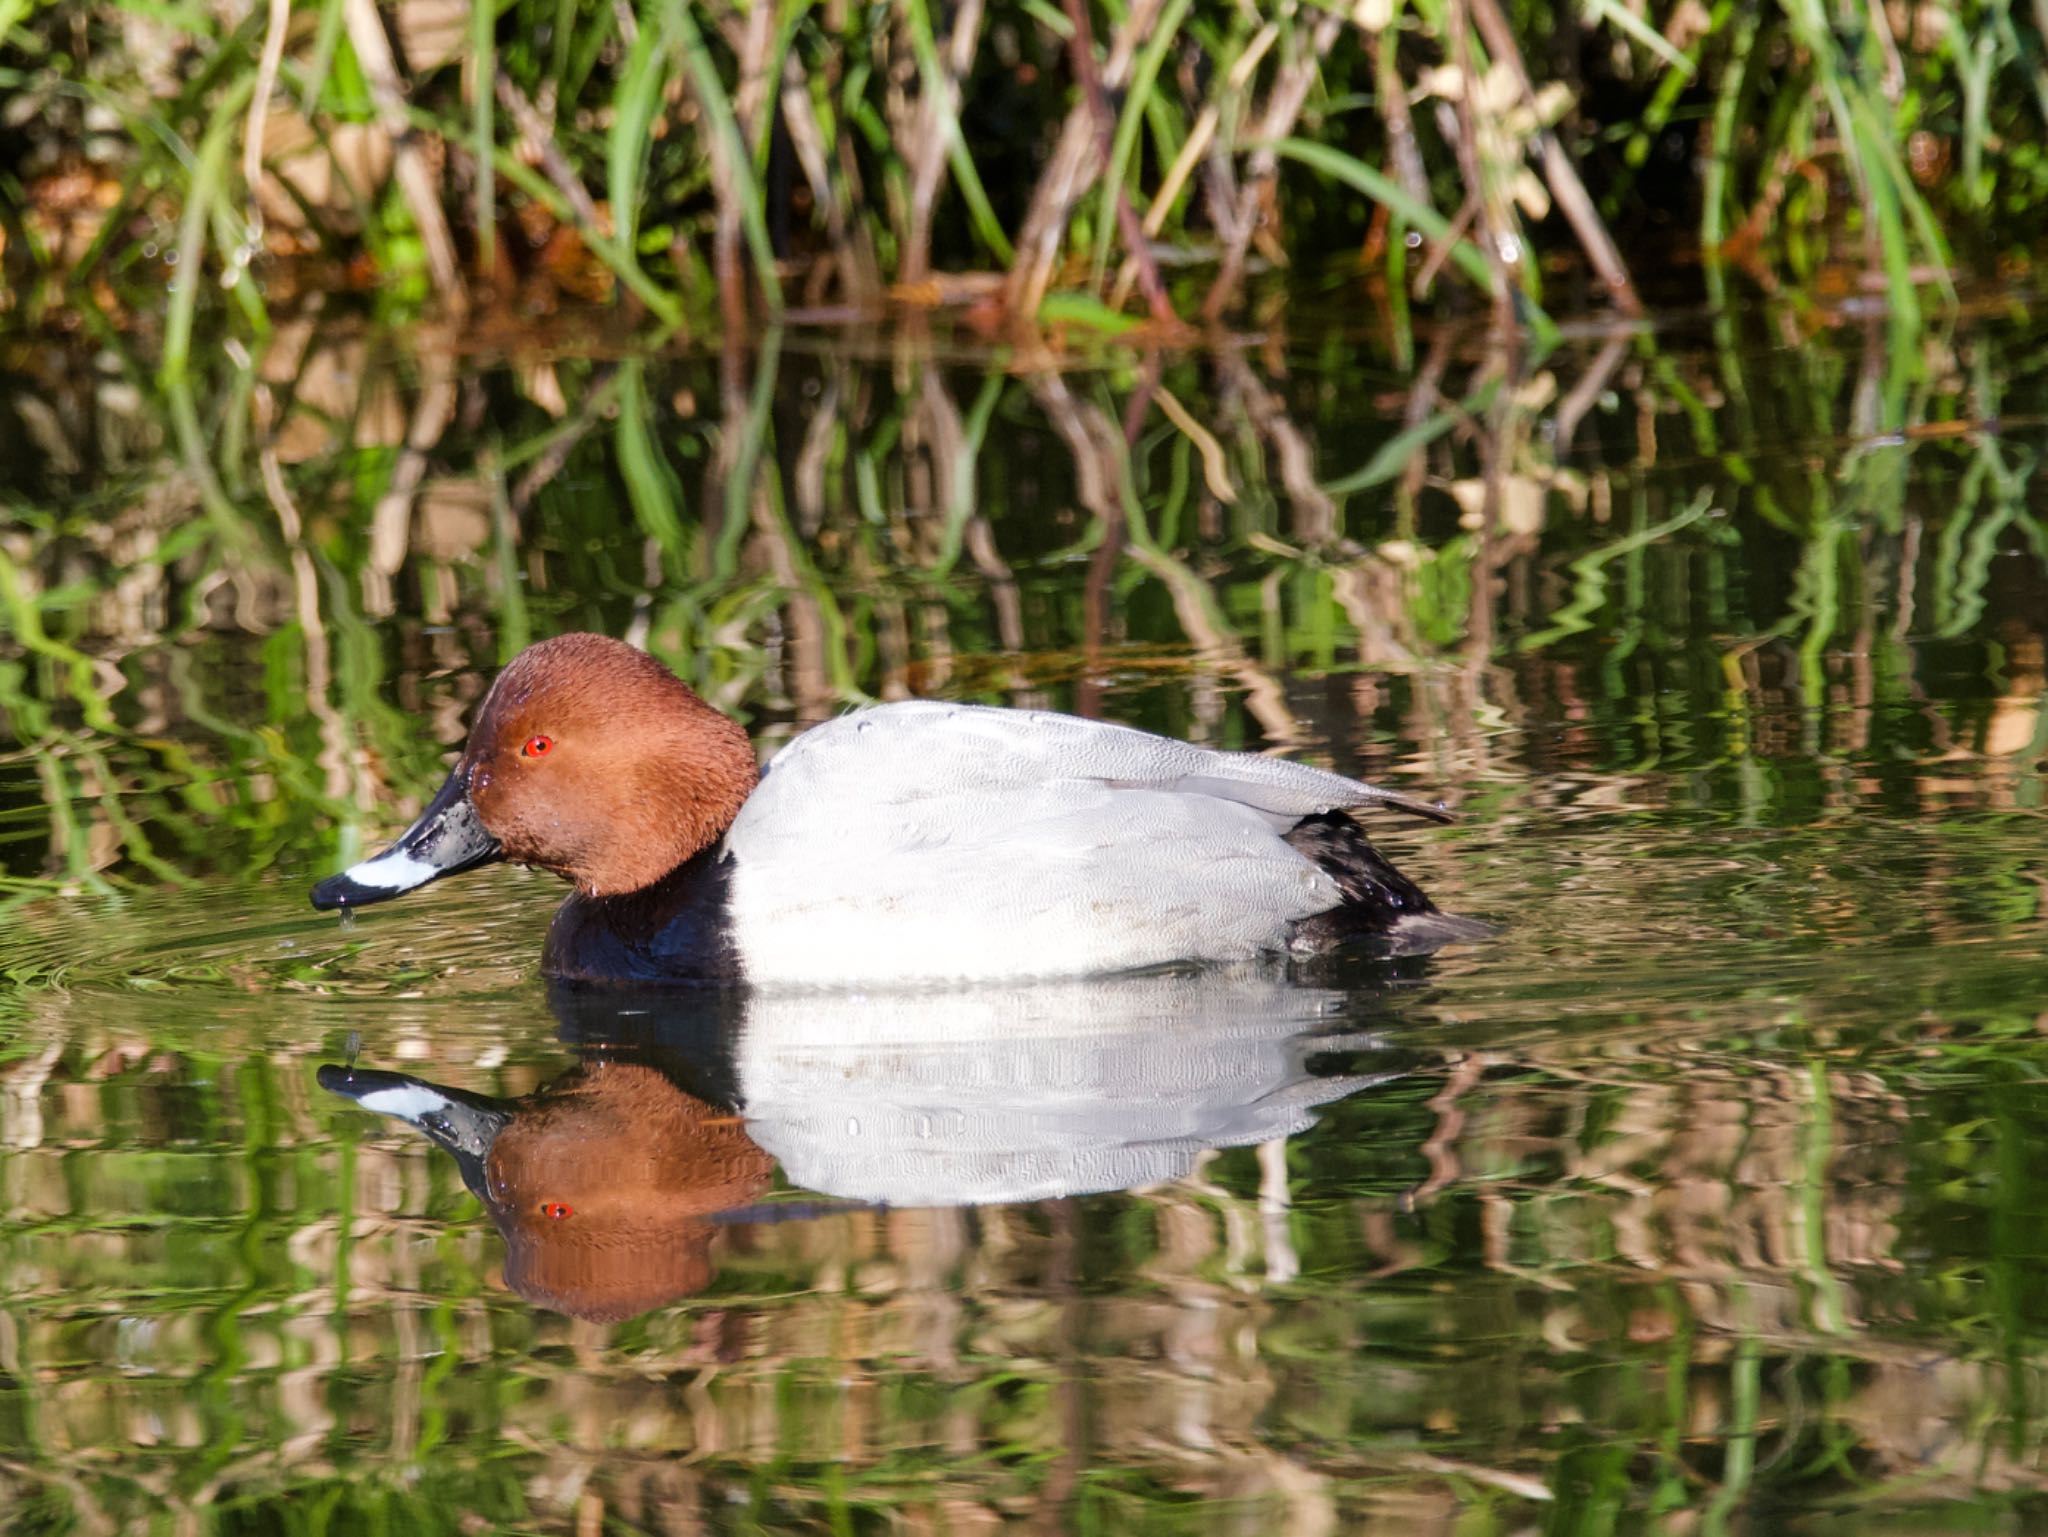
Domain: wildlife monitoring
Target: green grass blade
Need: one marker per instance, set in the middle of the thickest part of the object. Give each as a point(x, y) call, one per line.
point(1394, 454)
point(1634, 26)
point(717, 108)
point(630, 142)
point(1144, 75)
point(11, 12)
point(326, 39)
point(650, 487)
point(1362, 178)
point(924, 43)
point(1727, 102)
point(208, 177)
point(483, 133)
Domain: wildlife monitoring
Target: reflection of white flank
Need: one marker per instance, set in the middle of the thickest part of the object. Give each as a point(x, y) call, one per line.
point(392, 870)
point(407, 1101)
point(1017, 1094)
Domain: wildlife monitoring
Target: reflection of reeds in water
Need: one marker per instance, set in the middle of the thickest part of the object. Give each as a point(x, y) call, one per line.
point(1589, 543)
point(1559, 1272)
point(1741, 1230)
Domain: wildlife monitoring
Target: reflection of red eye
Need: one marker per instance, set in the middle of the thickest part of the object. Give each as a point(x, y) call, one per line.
point(538, 746)
point(555, 1209)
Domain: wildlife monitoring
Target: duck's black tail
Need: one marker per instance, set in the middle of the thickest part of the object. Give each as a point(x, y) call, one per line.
point(1379, 901)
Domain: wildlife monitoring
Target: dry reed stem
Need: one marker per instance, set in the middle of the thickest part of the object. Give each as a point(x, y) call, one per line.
point(1586, 393)
point(1570, 192)
point(980, 543)
point(750, 95)
point(1081, 47)
point(756, 38)
point(1067, 175)
point(1403, 149)
point(1495, 220)
point(391, 522)
point(1315, 515)
point(860, 276)
point(1284, 101)
point(335, 758)
point(259, 109)
point(1219, 191)
point(539, 138)
point(417, 182)
point(1440, 250)
point(813, 459)
point(926, 155)
point(1200, 137)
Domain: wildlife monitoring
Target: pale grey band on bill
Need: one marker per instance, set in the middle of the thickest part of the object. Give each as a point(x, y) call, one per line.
point(448, 836)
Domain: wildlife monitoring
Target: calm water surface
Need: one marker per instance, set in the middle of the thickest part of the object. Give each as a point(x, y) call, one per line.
point(1711, 1196)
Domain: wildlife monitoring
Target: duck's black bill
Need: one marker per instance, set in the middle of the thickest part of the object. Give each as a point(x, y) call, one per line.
point(465, 1124)
point(448, 837)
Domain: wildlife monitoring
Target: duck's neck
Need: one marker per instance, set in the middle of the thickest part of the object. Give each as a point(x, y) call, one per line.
point(675, 930)
point(719, 771)
point(682, 795)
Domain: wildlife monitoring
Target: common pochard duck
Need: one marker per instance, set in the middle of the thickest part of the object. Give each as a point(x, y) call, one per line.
point(913, 843)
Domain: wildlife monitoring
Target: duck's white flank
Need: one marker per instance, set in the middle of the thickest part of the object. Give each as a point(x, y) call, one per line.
point(926, 842)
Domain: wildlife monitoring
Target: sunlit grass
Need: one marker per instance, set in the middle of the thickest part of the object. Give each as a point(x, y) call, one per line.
point(701, 160)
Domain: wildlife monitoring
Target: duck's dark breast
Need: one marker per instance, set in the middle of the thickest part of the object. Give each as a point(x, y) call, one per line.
point(677, 930)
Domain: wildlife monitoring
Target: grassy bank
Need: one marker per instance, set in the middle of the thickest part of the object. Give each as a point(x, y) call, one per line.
point(1091, 166)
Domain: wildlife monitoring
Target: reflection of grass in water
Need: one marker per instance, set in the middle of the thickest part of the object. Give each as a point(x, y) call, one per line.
point(432, 1399)
point(846, 539)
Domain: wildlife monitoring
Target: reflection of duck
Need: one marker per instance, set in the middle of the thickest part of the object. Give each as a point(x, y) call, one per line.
point(912, 842)
point(997, 1094)
point(936, 1099)
point(600, 1183)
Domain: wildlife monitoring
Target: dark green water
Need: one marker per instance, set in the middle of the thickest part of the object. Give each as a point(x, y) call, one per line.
point(1709, 1197)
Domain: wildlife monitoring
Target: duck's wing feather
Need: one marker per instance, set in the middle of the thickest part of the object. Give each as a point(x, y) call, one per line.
point(928, 841)
point(913, 748)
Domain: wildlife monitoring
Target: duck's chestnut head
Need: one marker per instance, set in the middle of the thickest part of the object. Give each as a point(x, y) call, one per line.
point(588, 758)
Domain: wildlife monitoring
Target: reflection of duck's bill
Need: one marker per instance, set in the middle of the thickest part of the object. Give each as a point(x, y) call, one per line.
point(449, 836)
point(465, 1124)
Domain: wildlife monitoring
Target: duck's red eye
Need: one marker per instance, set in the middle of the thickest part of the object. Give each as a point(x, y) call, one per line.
point(538, 746)
point(555, 1209)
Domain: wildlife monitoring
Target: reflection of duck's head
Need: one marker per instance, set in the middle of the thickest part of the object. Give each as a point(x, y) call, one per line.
point(601, 1183)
